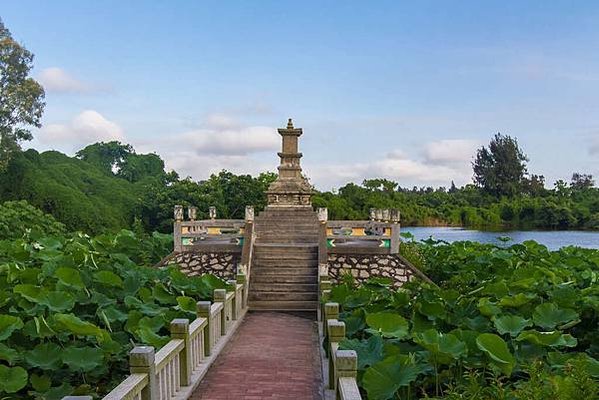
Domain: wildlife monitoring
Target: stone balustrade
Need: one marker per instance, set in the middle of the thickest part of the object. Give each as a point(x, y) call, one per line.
point(177, 368)
point(342, 364)
point(379, 235)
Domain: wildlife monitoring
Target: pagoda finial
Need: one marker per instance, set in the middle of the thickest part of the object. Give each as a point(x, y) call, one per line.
point(290, 124)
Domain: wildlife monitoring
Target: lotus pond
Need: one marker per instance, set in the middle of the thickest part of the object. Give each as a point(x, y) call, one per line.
point(72, 307)
point(518, 322)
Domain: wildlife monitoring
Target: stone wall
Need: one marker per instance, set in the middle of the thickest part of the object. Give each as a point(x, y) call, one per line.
point(223, 265)
point(362, 267)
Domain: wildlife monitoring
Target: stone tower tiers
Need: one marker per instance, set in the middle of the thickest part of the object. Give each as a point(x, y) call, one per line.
point(290, 189)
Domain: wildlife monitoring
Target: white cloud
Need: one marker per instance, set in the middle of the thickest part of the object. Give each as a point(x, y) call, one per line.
point(450, 151)
point(86, 128)
point(241, 141)
point(221, 143)
point(443, 162)
point(57, 80)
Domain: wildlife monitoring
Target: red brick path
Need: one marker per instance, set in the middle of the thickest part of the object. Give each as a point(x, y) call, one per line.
point(271, 356)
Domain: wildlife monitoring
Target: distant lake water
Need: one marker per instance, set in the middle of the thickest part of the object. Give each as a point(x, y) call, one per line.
point(552, 239)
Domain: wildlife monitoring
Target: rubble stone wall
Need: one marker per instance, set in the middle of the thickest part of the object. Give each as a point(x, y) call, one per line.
point(362, 267)
point(223, 265)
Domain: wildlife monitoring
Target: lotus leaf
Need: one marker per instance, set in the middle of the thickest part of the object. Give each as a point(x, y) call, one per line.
point(383, 379)
point(45, 356)
point(9, 324)
point(82, 358)
point(516, 300)
point(108, 278)
point(549, 315)
point(512, 324)
point(388, 324)
point(58, 301)
point(370, 351)
point(445, 347)
point(9, 355)
point(12, 379)
point(496, 348)
point(553, 339)
point(41, 383)
point(187, 303)
point(70, 277)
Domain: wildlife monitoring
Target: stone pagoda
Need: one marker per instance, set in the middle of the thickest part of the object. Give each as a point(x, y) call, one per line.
point(291, 189)
point(284, 266)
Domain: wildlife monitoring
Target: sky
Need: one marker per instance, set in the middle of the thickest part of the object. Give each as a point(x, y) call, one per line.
point(402, 90)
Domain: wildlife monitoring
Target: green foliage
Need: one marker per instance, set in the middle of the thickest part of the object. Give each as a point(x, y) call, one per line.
point(500, 169)
point(18, 217)
point(72, 307)
point(503, 323)
point(21, 97)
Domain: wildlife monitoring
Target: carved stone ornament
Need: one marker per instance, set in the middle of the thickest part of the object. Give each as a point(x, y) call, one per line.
point(178, 213)
point(249, 214)
point(323, 214)
point(192, 213)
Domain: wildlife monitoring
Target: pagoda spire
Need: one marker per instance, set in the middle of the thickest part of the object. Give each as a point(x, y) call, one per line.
point(290, 188)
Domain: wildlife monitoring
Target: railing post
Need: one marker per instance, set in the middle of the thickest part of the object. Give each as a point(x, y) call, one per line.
point(141, 361)
point(180, 330)
point(242, 278)
point(178, 216)
point(233, 283)
point(395, 238)
point(336, 330)
point(346, 365)
point(220, 296)
point(330, 311)
point(323, 217)
point(203, 311)
point(336, 334)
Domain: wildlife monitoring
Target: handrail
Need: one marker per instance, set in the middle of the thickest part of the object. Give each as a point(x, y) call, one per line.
point(165, 374)
point(342, 364)
point(363, 235)
point(131, 386)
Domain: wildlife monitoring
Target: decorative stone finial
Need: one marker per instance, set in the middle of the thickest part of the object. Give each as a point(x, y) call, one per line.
point(290, 124)
point(178, 213)
point(212, 212)
point(192, 213)
point(249, 213)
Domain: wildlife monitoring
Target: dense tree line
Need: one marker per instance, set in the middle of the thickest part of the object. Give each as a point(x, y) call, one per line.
point(108, 186)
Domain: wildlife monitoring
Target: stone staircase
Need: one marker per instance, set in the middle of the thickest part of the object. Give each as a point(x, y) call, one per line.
point(284, 274)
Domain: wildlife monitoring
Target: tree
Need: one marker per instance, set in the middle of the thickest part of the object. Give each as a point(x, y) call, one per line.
point(500, 169)
point(452, 188)
point(21, 97)
point(109, 157)
point(535, 185)
point(581, 181)
point(121, 160)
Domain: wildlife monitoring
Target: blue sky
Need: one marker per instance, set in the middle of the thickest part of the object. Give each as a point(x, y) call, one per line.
point(407, 91)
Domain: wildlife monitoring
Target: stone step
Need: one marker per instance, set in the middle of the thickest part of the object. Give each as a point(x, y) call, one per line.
point(299, 221)
point(285, 239)
point(282, 296)
point(277, 286)
point(265, 305)
point(287, 248)
point(284, 263)
point(274, 271)
point(296, 255)
point(285, 278)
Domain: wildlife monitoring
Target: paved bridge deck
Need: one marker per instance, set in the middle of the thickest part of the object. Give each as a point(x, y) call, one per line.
point(271, 356)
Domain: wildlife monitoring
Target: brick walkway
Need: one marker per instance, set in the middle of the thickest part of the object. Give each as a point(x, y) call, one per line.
point(271, 356)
